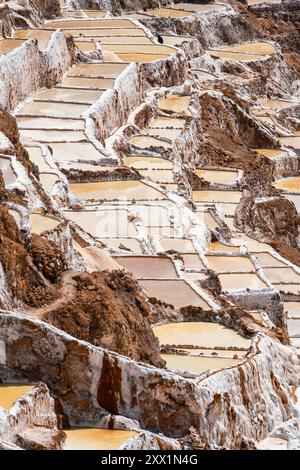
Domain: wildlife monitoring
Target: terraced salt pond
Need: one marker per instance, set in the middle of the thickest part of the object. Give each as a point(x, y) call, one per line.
point(130, 244)
point(282, 275)
point(95, 438)
point(173, 292)
point(147, 163)
point(289, 184)
point(53, 109)
point(8, 45)
point(9, 393)
point(49, 136)
point(271, 153)
point(182, 245)
point(68, 95)
point(197, 365)
point(227, 264)
point(41, 223)
point(9, 175)
point(42, 36)
point(217, 176)
point(175, 104)
point(46, 123)
point(148, 267)
point(235, 282)
point(292, 309)
point(217, 196)
point(144, 141)
point(113, 190)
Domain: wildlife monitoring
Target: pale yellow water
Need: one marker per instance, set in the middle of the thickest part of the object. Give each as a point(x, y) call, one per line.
point(158, 176)
point(51, 135)
point(41, 35)
point(293, 327)
point(125, 40)
point(50, 109)
point(230, 263)
point(207, 219)
point(271, 153)
point(261, 48)
point(197, 364)
point(141, 58)
point(289, 288)
point(254, 245)
point(35, 156)
point(104, 32)
point(174, 103)
point(49, 123)
point(68, 95)
point(200, 7)
point(8, 45)
point(74, 151)
point(221, 177)
point(182, 245)
point(103, 223)
point(42, 223)
point(148, 267)
point(104, 70)
point(96, 439)
point(202, 334)
point(220, 352)
point(289, 184)
point(92, 83)
point(168, 13)
point(143, 141)
point(139, 48)
point(278, 104)
point(118, 244)
point(217, 246)
point(171, 134)
point(217, 196)
point(161, 231)
point(267, 260)
point(86, 46)
point(166, 122)
point(95, 13)
point(241, 281)
point(175, 40)
point(192, 261)
point(147, 162)
point(291, 142)
point(174, 292)
point(292, 308)
point(102, 23)
point(11, 392)
point(115, 190)
point(9, 175)
point(235, 56)
point(151, 215)
point(47, 180)
point(282, 275)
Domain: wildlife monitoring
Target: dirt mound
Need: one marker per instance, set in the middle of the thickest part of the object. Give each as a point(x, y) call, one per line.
point(109, 310)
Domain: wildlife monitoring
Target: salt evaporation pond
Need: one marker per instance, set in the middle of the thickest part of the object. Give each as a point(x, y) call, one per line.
point(9, 393)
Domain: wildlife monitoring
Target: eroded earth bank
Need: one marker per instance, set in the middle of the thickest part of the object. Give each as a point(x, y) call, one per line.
point(149, 225)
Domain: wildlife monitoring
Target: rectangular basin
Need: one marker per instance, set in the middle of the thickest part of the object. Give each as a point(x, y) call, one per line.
point(148, 267)
point(52, 109)
point(227, 264)
point(235, 282)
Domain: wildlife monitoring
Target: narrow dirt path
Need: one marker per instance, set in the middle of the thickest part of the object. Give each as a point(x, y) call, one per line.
point(67, 292)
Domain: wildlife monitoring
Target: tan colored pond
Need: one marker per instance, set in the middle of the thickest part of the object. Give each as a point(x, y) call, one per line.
point(139, 48)
point(227, 209)
point(96, 439)
point(168, 13)
point(103, 223)
point(147, 163)
point(141, 58)
point(42, 223)
point(241, 281)
point(41, 35)
point(277, 104)
point(148, 267)
point(95, 258)
point(86, 46)
point(192, 261)
point(160, 231)
point(207, 219)
point(131, 244)
point(151, 215)
point(36, 108)
point(69, 151)
point(105, 32)
point(50, 135)
point(125, 40)
point(68, 95)
point(219, 177)
point(115, 190)
point(235, 55)
point(202, 334)
point(289, 184)
point(25, 122)
point(198, 7)
point(217, 246)
point(48, 180)
point(254, 245)
point(102, 23)
point(171, 134)
point(104, 70)
point(289, 288)
point(182, 245)
point(174, 103)
point(282, 275)
point(197, 364)
point(292, 308)
point(8, 45)
point(291, 142)
point(36, 157)
point(91, 83)
point(217, 196)
point(271, 153)
point(268, 260)
point(173, 40)
point(95, 13)
point(144, 141)
point(174, 292)
point(158, 176)
point(9, 175)
point(166, 122)
point(9, 393)
point(293, 327)
point(230, 263)
point(261, 48)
